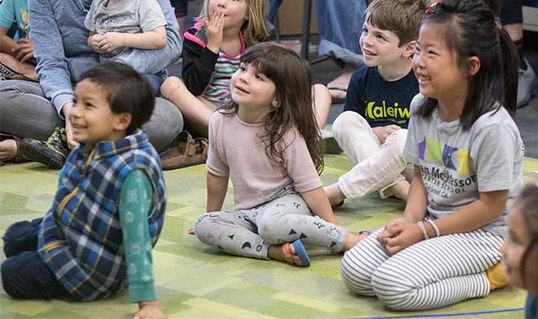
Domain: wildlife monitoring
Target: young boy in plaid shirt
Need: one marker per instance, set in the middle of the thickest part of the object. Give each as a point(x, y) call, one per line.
point(108, 210)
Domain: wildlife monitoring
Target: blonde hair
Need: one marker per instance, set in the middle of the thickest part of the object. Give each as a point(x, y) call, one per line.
point(254, 29)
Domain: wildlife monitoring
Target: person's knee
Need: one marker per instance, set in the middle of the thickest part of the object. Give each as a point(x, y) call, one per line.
point(394, 290)
point(396, 142)
point(347, 121)
point(169, 85)
point(202, 229)
point(353, 273)
point(7, 269)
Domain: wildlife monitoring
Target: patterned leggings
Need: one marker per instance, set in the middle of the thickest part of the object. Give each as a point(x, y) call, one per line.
point(429, 274)
point(250, 232)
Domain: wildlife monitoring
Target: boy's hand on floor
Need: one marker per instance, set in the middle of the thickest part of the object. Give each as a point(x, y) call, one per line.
point(149, 310)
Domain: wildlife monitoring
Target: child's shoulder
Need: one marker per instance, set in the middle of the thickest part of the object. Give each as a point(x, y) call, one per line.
point(197, 34)
point(496, 119)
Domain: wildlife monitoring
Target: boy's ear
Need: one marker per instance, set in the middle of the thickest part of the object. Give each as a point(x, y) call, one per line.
point(474, 65)
point(123, 121)
point(410, 49)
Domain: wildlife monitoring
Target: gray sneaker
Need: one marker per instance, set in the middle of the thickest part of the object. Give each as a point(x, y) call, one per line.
point(525, 84)
point(52, 153)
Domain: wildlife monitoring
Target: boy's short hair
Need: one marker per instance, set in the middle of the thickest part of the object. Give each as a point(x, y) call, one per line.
point(127, 91)
point(403, 17)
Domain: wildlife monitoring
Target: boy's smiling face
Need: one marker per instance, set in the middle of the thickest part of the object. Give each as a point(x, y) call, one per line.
point(92, 119)
point(380, 47)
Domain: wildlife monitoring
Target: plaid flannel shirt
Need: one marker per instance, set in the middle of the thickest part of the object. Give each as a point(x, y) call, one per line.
point(80, 238)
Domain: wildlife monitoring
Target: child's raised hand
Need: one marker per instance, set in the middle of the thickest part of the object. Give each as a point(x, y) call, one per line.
point(215, 31)
point(110, 41)
point(382, 132)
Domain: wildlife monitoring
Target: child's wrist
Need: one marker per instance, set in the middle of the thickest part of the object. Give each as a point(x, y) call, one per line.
point(146, 303)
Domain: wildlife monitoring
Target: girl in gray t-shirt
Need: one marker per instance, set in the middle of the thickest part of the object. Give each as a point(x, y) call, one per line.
point(468, 157)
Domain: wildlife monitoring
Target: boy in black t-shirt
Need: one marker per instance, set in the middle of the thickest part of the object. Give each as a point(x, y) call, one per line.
point(373, 127)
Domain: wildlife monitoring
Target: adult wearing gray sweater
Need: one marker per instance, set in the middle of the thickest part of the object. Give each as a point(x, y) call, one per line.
point(29, 109)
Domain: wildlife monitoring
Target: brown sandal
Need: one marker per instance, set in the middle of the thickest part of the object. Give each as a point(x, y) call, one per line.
point(185, 151)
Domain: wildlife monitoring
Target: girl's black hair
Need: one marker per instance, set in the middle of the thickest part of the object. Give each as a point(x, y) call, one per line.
point(469, 28)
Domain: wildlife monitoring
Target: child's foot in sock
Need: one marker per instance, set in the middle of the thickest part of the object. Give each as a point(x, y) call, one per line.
point(497, 277)
point(353, 239)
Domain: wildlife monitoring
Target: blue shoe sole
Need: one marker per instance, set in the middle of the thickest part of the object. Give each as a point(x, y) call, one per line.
point(301, 253)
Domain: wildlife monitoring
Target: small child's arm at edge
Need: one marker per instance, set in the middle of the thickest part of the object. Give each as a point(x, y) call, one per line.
point(137, 186)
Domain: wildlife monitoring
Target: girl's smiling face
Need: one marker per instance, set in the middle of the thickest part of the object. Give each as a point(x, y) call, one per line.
point(436, 67)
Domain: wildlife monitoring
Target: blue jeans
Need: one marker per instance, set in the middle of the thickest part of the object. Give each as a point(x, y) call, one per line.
point(24, 273)
point(340, 27)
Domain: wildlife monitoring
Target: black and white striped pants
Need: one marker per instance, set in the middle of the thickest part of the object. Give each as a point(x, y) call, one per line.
point(429, 274)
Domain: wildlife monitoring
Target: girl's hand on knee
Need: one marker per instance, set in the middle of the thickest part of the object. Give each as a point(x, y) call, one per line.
point(406, 235)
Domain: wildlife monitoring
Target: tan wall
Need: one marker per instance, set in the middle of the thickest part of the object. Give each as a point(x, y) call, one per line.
point(290, 14)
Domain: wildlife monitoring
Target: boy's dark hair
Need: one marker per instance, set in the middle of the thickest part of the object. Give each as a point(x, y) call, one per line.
point(402, 17)
point(127, 91)
point(470, 29)
point(527, 202)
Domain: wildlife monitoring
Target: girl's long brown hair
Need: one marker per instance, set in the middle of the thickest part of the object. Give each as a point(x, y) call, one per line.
point(293, 80)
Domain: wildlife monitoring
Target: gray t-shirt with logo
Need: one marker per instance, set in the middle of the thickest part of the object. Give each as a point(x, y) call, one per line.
point(457, 165)
point(129, 16)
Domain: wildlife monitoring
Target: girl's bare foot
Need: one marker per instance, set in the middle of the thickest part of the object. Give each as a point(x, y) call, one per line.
point(8, 150)
point(401, 189)
point(334, 194)
point(284, 252)
point(338, 86)
point(353, 239)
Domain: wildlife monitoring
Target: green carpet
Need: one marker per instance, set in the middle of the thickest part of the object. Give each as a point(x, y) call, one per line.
point(196, 281)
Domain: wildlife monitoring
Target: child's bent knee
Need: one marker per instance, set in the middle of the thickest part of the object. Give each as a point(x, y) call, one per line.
point(170, 85)
point(394, 290)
